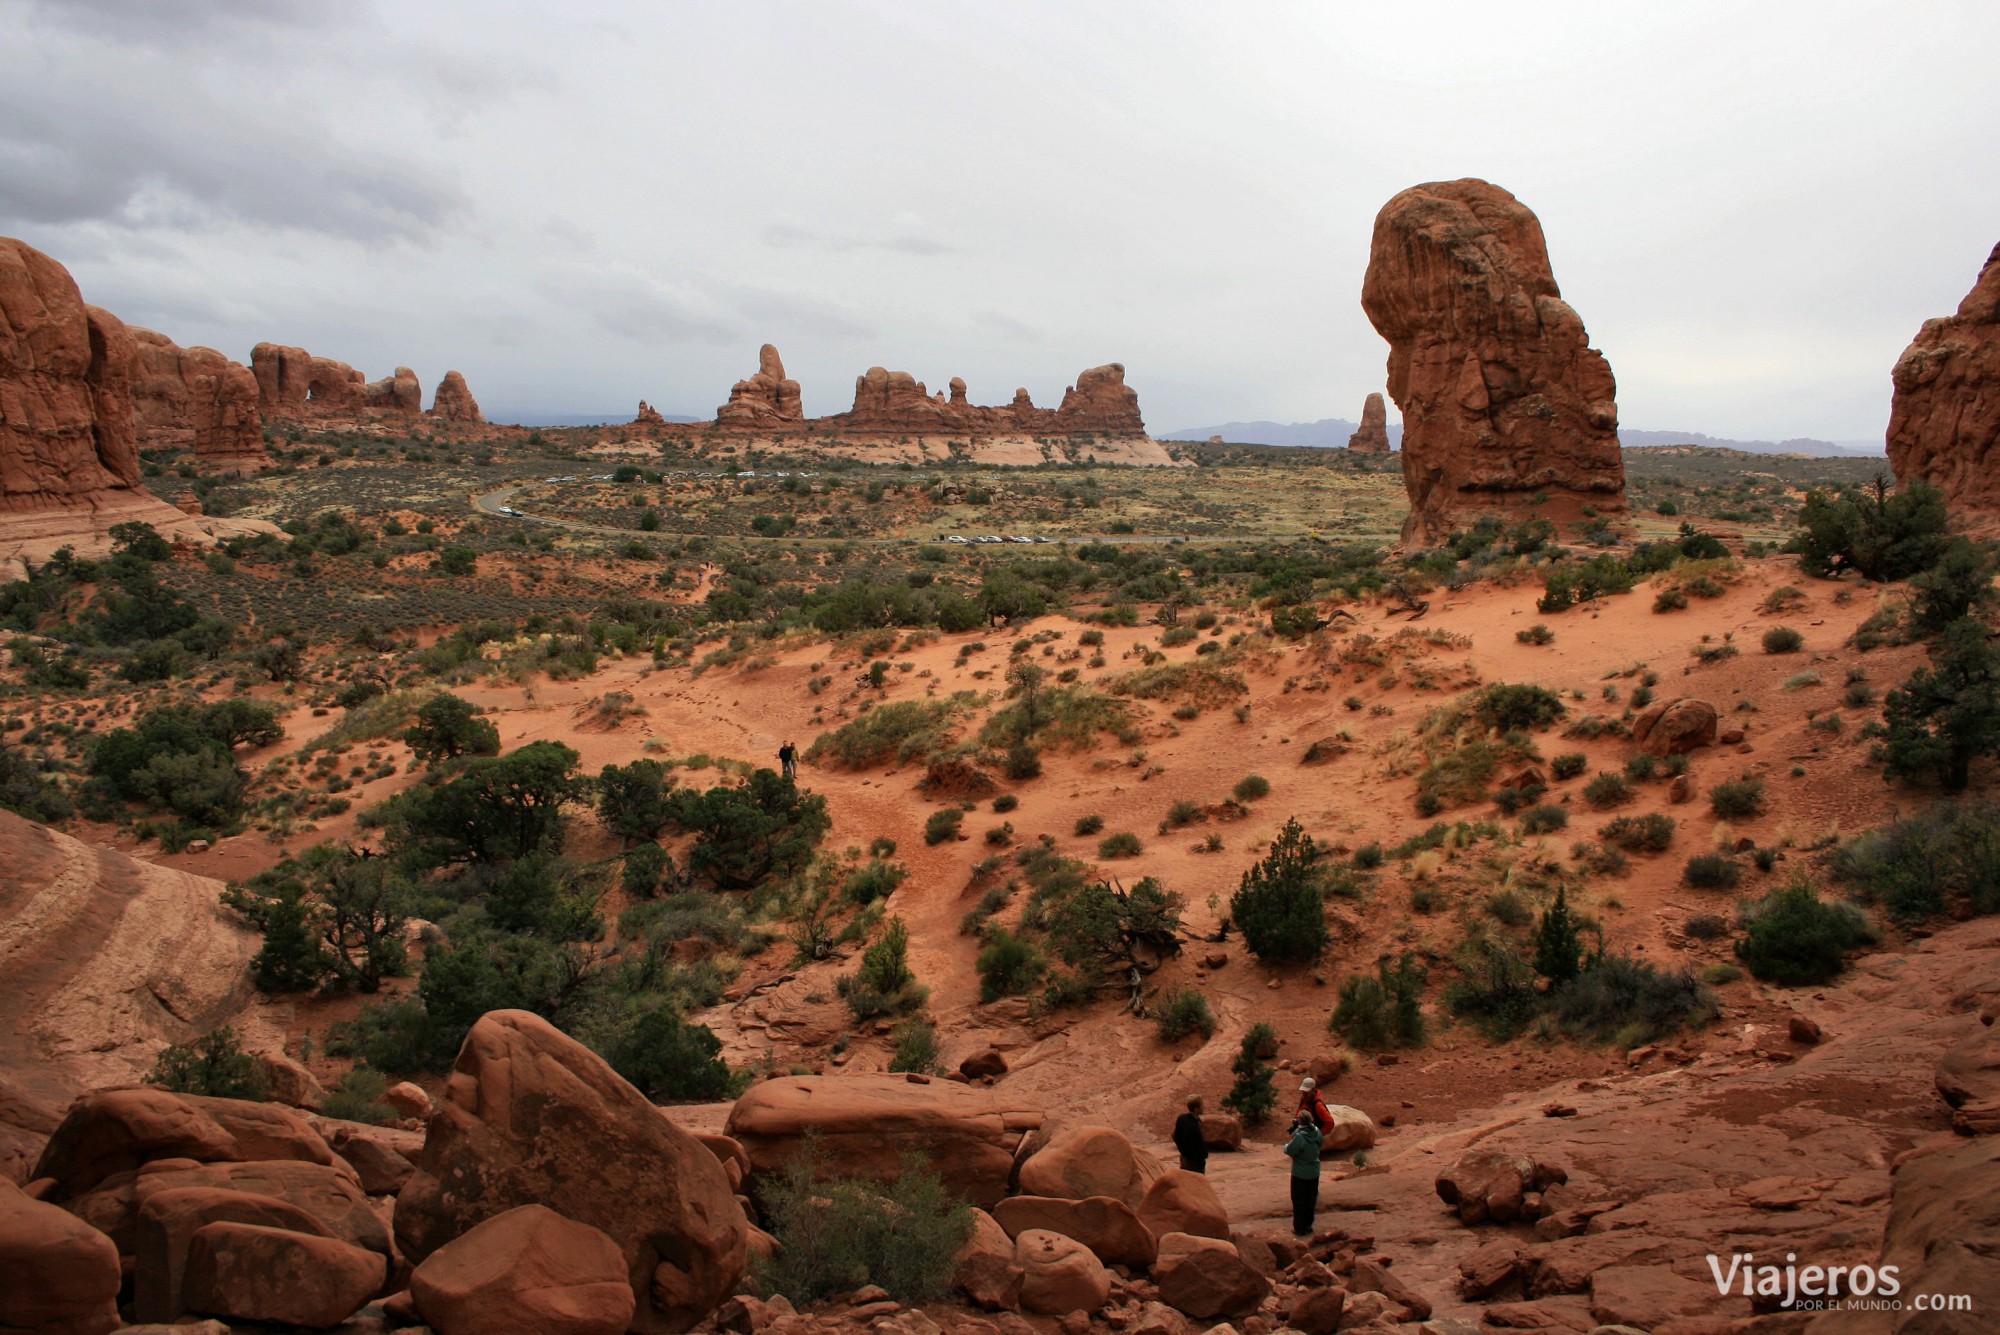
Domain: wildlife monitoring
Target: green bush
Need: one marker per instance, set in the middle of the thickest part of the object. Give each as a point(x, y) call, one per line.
point(1879, 533)
point(836, 1234)
point(1627, 1001)
point(1253, 1096)
point(1796, 940)
point(884, 984)
point(1945, 860)
point(1182, 1012)
point(645, 866)
point(916, 1050)
point(1279, 904)
point(1544, 819)
point(1009, 966)
point(1738, 799)
point(942, 825)
point(1508, 907)
point(1385, 1011)
point(1640, 834)
point(876, 879)
point(357, 1097)
point(1712, 871)
point(1607, 790)
point(214, 1065)
point(1783, 640)
point(900, 731)
point(1948, 713)
point(1511, 708)
point(1119, 846)
point(1089, 825)
point(1495, 989)
point(1536, 634)
point(447, 728)
point(1569, 764)
point(1251, 787)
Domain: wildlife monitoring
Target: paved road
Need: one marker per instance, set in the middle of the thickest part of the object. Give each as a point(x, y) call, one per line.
point(491, 502)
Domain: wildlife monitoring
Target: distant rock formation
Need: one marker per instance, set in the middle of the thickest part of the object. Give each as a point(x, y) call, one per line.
point(1503, 398)
point(453, 401)
point(198, 400)
point(648, 415)
point(1372, 437)
point(69, 435)
point(897, 403)
point(766, 398)
point(1944, 421)
point(295, 386)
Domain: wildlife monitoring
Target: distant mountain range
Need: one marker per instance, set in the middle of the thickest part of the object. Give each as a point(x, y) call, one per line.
point(1332, 433)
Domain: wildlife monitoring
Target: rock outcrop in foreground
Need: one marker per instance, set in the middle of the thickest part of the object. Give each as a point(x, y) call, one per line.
point(1507, 409)
point(1373, 435)
point(1944, 421)
point(897, 403)
point(69, 434)
point(198, 400)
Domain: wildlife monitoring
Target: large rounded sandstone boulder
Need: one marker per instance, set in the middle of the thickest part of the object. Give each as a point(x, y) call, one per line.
point(1110, 1228)
point(1491, 1184)
point(1207, 1278)
point(984, 1269)
point(247, 1272)
point(1676, 727)
point(167, 1223)
point(528, 1271)
point(1183, 1202)
point(1059, 1275)
point(532, 1117)
point(61, 1275)
point(1085, 1161)
point(1352, 1129)
point(117, 1130)
point(866, 1125)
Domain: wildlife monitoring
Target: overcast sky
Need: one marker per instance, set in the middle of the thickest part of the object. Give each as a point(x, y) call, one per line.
point(1753, 206)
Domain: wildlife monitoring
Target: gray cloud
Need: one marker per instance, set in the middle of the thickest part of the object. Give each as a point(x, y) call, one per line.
point(1006, 326)
point(784, 236)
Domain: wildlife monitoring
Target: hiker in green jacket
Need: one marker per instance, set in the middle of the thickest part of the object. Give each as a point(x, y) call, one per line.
point(1303, 1148)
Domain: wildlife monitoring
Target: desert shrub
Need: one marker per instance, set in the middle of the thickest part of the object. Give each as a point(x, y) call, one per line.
point(1669, 600)
point(1783, 640)
point(1712, 871)
point(1251, 787)
point(875, 879)
point(1184, 812)
point(1948, 713)
point(1717, 975)
point(1628, 1001)
point(1009, 966)
point(1707, 926)
point(1960, 584)
point(884, 984)
point(746, 835)
point(1607, 790)
point(1943, 860)
point(942, 826)
point(632, 800)
point(1021, 761)
point(1508, 907)
point(1641, 768)
point(670, 1059)
point(1567, 585)
point(1253, 1096)
point(916, 1050)
point(1536, 634)
point(836, 1234)
point(1795, 939)
point(357, 1097)
point(1510, 708)
point(214, 1065)
point(1495, 989)
point(26, 790)
point(1568, 765)
point(1383, 1011)
point(1279, 902)
point(1738, 799)
point(1089, 825)
point(644, 867)
point(1182, 1012)
point(1640, 834)
point(1006, 802)
point(1544, 819)
point(901, 731)
point(447, 727)
point(1124, 845)
point(1879, 533)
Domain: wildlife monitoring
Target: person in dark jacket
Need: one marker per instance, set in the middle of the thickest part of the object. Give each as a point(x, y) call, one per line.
point(1303, 1150)
point(1188, 1138)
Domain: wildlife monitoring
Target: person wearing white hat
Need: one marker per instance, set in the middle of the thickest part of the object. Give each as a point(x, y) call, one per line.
point(1313, 1106)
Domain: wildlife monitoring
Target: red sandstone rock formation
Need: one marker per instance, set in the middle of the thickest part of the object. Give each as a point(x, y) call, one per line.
point(69, 439)
point(648, 415)
point(198, 400)
point(1373, 437)
point(1101, 401)
point(1944, 421)
point(453, 401)
point(766, 398)
point(1502, 395)
point(294, 385)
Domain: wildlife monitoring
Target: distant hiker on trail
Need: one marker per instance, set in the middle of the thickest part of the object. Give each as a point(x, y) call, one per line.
point(1313, 1106)
point(1303, 1149)
point(788, 760)
point(1188, 1138)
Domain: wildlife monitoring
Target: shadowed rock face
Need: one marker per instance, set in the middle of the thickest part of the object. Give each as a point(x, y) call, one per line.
point(197, 400)
point(1503, 398)
point(1373, 437)
point(1944, 422)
